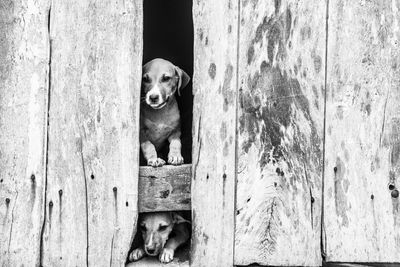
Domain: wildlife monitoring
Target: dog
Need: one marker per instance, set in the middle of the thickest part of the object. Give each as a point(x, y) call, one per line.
point(160, 118)
point(163, 233)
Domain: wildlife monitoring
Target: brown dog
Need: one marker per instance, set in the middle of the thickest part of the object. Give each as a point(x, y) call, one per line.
point(163, 233)
point(159, 118)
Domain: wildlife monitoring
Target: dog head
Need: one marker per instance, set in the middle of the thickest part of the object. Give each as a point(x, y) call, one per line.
point(156, 228)
point(160, 80)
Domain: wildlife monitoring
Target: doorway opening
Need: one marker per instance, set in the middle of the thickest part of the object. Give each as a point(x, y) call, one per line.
point(168, 34)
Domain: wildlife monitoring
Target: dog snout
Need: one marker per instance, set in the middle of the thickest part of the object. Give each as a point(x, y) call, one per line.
point(150, 246)
point(151, 250)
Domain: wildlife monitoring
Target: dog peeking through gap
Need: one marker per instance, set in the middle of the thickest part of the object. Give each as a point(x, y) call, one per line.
point(162, 233)
point(160, 117)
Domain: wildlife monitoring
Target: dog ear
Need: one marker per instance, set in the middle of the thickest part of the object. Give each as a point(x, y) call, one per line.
point(177, 219)
point(183, 79)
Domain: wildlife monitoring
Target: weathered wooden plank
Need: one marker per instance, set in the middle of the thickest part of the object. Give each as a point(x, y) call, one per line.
point(93, 133)
point(362, 220)
point(281, 76)
point(24, 59)
point(164, 189)
point(214, 127)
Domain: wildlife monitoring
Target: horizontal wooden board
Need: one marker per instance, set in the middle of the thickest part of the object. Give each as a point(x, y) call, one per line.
point(165, 188)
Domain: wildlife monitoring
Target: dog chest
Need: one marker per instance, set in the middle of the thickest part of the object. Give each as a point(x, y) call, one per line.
point(159, 131)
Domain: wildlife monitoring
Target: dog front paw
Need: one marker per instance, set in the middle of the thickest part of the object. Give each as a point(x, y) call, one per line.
point(175, 159)
point(167, 255)
point(136, 254)
point(155, 162)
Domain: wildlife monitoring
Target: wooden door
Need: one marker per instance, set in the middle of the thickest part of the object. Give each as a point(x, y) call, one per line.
point(280, 140)
point(362, 165)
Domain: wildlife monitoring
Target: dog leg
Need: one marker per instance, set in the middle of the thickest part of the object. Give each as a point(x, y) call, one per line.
point(150, 154)
point(136, 254)
point(181, 236)
point(174, 155)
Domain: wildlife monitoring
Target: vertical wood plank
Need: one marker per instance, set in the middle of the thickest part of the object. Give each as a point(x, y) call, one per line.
point(214, 127)
point(279, 187)
point(96, 54)
point(362, 219)
point(24, 59)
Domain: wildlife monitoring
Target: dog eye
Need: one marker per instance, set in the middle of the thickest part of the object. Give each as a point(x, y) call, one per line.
point(143, 228)
point(163, 227)
point(165, 78)
point(146, 79)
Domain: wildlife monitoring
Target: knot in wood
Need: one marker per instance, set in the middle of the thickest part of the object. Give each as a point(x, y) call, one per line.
point(395, 193)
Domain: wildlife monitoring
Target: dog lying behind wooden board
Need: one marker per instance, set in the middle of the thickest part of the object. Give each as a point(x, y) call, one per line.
point(163, 233)
point(159, 112)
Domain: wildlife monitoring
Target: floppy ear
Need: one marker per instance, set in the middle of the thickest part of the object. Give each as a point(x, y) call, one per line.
point(183, 79)
point(177, 219)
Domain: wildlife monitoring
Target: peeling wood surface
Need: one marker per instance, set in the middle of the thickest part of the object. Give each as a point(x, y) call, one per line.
point(362, 219)
point(24, 63)
point(164, 189)
point(281, 103)
point(91, 201)
point(214, 86)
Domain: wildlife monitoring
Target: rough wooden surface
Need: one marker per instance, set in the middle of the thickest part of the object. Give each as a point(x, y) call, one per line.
point(164, 189)
point(91, 201)
point(362, 219)
point(24, 59)
point(214, 111)
point(281, 81)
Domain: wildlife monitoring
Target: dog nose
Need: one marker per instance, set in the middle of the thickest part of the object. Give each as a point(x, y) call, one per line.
point(151, 250)
point(153, 98)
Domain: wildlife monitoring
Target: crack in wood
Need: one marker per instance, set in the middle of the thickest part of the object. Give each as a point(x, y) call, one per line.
point(46, 136)
point(111, 250)
point(12, 222)
point(86, 201)
point(322, 228)
point(200, 142)
point(311, 196)
point(384, 117)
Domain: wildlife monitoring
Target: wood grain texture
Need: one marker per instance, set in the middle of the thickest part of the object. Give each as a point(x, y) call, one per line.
point(362, 221)
point(214, 127)
point(93, 151)
point(164, 189)
point(24, 59)
point(281, 81)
